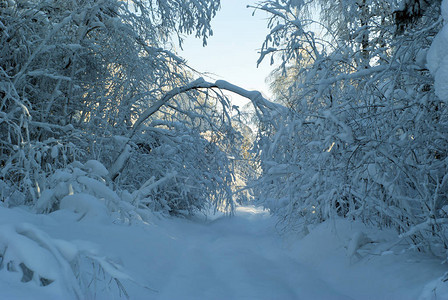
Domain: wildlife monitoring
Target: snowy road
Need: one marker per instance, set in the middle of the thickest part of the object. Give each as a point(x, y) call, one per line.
point(242, 257)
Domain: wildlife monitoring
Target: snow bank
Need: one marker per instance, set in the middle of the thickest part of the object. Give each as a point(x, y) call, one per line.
point(366, 263)
point(36, 265)
point(240, 257)
point(87, 206)
point(437, 289)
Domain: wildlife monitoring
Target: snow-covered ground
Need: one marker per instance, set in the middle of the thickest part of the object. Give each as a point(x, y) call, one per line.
point(240, 257)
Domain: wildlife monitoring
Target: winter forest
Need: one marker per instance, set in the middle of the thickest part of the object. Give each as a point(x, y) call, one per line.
point(126, 173)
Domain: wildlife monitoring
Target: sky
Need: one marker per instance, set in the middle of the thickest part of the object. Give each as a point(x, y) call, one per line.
point(232, 52)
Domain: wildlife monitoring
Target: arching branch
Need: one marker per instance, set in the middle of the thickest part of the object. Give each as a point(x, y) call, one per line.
point(265, 110)
point(263, 106)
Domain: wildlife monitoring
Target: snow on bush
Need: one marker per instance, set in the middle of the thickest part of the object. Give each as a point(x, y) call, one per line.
point(76, 178)
point(81, 188)
point(10, 196)
point(181, 174)
point(87, 206)
point(73, 75)
point(29, 255)
point(366, 138)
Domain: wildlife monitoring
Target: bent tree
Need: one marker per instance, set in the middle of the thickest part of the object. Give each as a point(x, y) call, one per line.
point(96, 80)
point(267, 112)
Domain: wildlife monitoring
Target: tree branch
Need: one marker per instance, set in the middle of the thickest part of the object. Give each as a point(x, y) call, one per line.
point(266, 111)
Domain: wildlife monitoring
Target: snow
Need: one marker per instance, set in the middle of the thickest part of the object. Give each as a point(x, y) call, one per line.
point(38, 259)
point(437, 289)
point(98, 188)
point(86, 205)
point(218, 257)
point(358, 240)
point(54, 151)
point(437, 58)
point(444, 8)
point(96, 168)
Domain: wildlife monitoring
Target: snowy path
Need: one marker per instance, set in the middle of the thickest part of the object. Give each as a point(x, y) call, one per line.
point(242, 257)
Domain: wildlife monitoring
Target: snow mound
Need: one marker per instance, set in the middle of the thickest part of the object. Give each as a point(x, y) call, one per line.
point(437, 289)
point(96, 168)
point(87, 206)
point(35, 265)
point(358, 240)
point(366, 263)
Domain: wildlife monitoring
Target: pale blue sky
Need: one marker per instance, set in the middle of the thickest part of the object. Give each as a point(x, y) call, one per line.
point(231, 53)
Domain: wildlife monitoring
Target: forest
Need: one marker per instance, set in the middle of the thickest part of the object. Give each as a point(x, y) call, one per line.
point(104, 125)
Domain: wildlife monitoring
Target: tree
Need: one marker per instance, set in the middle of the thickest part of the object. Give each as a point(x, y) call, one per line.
point(75, 76)
point(366, 136)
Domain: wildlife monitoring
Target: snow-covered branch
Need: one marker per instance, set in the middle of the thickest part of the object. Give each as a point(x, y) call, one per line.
point(267, 108)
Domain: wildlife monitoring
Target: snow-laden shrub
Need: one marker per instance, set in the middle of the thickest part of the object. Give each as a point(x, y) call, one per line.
point(9, 196)
point(73, 74)
point(76, 178)
point(29, 255)
point(367, 136)
point(181, 171)
point(83, 189)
